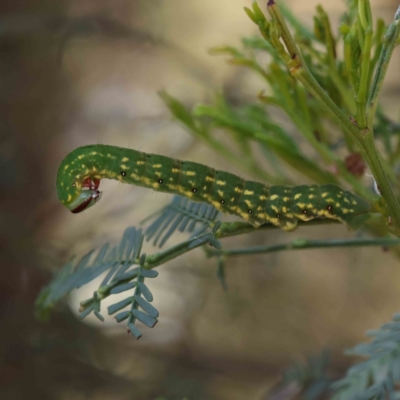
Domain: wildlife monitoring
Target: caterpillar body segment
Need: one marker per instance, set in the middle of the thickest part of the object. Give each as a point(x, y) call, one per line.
point(80, 172)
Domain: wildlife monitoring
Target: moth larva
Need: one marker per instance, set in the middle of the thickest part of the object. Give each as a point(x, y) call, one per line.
point(80, 172)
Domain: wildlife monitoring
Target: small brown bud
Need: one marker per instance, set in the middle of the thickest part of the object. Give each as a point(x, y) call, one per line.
point(355, 164)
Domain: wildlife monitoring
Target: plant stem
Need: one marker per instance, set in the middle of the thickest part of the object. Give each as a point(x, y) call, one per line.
point(364, 81)
point(301, 244)
point(226, 229)
point(389, 43)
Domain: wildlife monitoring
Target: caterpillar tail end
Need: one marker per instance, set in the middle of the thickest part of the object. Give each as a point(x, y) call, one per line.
point(357, 221)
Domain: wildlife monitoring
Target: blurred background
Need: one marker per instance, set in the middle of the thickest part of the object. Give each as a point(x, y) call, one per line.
point(83, 72)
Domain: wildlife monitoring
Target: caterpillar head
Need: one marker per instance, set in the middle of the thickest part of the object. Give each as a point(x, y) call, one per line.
point(88, 196)
point(78, 196)
point(86, 199)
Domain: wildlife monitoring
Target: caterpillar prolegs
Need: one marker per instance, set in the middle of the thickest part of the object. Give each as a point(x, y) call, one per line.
point(80, 172)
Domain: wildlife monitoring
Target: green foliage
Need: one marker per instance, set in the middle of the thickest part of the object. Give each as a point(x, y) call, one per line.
point(126, 269)
point(121, 277)
point(377, 377)
point(309, 380)
point(180, 215)
point(325, 86)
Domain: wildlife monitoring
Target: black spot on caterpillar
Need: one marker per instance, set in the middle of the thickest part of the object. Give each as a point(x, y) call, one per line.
point(79, 176)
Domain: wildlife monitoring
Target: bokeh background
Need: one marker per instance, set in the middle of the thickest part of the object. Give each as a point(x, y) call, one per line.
point(82, 72)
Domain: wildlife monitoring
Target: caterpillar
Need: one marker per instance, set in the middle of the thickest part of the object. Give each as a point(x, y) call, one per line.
point(80, 172)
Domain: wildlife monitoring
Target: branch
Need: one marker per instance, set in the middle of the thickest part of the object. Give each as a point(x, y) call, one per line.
point(389, 43)
point(303, 244)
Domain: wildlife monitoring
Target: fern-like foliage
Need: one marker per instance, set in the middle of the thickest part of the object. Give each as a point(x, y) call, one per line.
point(180, 215)
point(376, 378)
point(123, 265)
point(126, 269)
point(141, 298)
point(308, 381)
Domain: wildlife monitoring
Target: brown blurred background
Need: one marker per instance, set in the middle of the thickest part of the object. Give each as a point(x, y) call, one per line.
point(82, 72)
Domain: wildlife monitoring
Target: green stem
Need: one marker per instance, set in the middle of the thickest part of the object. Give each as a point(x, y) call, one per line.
point(329, 39)
point(364, 81)
point(302, 244)
point(389, 43)
point(227, 229)
point(156, 259)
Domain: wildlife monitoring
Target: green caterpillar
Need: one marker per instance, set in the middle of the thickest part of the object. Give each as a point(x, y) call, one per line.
point(79, 176)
